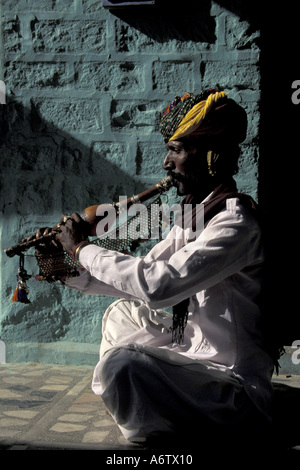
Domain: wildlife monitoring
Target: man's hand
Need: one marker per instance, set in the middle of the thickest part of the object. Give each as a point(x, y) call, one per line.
point(47, 245)
point(73, 231)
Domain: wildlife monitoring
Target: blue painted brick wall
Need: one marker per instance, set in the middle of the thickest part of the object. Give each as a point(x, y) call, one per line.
point(85, 90)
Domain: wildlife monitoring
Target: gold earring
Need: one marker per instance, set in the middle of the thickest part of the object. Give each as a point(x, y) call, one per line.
point(209, 162)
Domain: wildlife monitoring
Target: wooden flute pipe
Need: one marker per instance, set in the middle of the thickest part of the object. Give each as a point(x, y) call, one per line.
point(90, 216)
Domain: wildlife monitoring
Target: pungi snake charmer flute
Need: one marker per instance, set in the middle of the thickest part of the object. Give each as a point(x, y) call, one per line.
point(55, 264)
point(89, 215)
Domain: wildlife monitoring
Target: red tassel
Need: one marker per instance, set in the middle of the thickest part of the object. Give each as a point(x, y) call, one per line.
point(15, 296)
point(20, 294)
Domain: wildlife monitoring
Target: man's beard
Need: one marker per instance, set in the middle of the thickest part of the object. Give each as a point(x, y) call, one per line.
point(181, 182)
point(191, 184)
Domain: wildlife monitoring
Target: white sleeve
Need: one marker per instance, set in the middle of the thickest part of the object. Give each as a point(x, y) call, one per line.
point(90, 285)
point(229, 243)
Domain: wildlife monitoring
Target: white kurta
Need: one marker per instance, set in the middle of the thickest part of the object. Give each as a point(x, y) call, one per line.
point(221, 274)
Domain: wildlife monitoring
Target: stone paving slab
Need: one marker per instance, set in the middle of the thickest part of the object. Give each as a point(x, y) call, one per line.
point(52, 407)
point(43, 404)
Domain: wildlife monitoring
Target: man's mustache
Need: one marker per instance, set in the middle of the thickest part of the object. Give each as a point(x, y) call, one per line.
point(176, 176)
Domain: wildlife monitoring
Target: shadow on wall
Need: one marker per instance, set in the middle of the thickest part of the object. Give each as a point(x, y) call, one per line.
point(250, 11)
point(188, 20)
point(46, 170)
point(286, 415)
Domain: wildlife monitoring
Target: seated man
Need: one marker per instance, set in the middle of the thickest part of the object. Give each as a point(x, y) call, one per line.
point(159, 373)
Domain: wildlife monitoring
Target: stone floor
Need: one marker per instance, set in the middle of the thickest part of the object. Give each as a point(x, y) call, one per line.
point(52, 407)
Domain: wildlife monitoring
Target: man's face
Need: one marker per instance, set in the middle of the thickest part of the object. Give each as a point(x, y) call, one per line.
point(187, 166)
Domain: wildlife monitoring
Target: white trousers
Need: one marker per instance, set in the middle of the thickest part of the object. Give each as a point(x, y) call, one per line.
point(151, 390)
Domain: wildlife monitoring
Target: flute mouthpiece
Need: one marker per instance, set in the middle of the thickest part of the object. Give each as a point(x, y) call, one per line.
point(165, 183)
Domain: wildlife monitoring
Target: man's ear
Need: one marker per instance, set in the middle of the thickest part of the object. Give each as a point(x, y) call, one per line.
point(211, 158)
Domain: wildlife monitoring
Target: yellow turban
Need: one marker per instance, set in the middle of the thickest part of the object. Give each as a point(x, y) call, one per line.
point(197, 114)
point(209, 113)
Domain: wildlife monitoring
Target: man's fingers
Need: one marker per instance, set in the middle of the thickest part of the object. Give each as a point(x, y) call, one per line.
point(76, 217)
point(42, 231)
